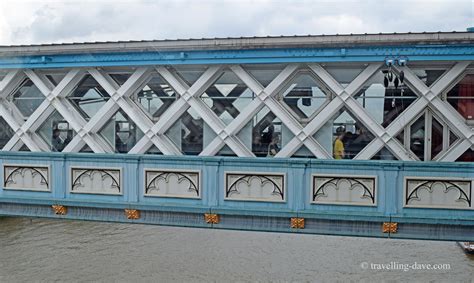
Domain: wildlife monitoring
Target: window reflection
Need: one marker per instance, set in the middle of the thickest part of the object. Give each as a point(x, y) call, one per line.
point(461, 97)
point(56, 132)
point(88, 96)
point(156, 96)
point(384, 104)
point(350, 136)
point(121, 132)
point(304, 96)
point(188, 132)
point(27, 98)
point(266, 134)
point(6, 133)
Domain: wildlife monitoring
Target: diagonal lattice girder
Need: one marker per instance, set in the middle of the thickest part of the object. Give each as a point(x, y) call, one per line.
point(25, 132)
point(189, 98)
point(56, 96)
point(444, 110)
point(87, 131)
point(120, 99)
point(255, 105)
point(176, 109)
point(343, 97)
point(428, 96)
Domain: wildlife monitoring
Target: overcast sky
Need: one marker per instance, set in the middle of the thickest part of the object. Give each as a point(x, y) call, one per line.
point(27, 22)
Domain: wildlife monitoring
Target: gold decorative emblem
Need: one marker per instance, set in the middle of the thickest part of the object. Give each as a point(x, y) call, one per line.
point(59, 209)
point(390, 227)
point(132, 213)
point(297, 223)
point(211, 218)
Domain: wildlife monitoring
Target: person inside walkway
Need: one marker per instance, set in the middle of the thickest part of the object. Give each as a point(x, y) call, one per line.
point(338, 149)
point(57, 144)
point(273, 148)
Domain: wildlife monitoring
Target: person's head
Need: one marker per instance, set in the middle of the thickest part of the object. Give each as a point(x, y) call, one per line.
point(56, 133)
point(276, 139)
point(340, 131)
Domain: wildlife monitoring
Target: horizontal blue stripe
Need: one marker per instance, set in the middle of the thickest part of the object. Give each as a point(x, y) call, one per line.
point(254, 56)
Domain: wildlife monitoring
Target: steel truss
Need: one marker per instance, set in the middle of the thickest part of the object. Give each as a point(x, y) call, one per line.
point(189, 98)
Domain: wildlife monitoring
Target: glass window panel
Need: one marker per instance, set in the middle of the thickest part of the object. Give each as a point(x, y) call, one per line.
point(121, 132)
point(228, 97)
point(428, 76)
point(188, 133)
point(347, 134)
point(226, 151)
point(88, 97)
point(436, 138)
point(452, 138)
point(27, 98)
point(461, 98)
point(156, 96)
point(303, 152)
point(55, 78)
point(2, 75)
point(467, 156)
point(384, 154)
point(120, 78)
point(86, 149)
point(153, 150)
point(6, 133)
point(56, 132)
point(401, 137)
point(384, 104)
point(303, 95)
point(264, 74)
point(344, 74)
point(267, 131)
point(417, 138)
point(24, 148)
point(190, 74)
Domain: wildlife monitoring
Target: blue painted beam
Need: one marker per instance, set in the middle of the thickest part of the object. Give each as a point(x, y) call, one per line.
point(255, 56)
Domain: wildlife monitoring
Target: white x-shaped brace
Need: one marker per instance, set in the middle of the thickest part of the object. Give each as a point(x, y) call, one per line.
point(428, 97)
point(13, 116)
point(266, 97)
point(120, 99)
point(344, 96)
point(25, 131)
point(58, 101)
point(383, 137)
point(189, 98)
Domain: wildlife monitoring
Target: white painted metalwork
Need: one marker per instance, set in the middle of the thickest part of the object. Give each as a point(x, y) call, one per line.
point(121, 99)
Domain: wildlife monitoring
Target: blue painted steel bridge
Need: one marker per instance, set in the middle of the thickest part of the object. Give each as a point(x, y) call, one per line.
point(359, 135)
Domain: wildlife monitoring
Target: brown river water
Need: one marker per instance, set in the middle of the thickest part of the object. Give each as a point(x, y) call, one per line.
point(33, 250)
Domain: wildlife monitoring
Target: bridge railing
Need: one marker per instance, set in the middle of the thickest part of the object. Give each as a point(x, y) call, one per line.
point(343, 197)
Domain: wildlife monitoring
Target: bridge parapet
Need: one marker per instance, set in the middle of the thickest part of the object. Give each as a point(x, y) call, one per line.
point(342, 197)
